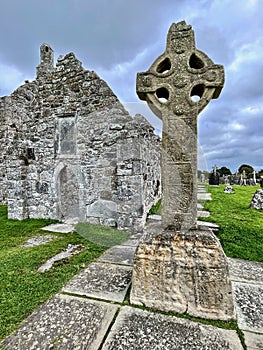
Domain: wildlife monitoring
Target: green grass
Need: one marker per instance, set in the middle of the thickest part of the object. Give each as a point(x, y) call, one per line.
point(156, 209)
point(241, 227)
point(22, 288)
point(102, 235)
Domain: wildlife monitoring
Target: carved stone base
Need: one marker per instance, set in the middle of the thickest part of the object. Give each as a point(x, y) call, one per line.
point(184, 273)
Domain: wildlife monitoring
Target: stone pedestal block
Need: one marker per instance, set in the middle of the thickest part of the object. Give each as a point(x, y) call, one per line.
point(184, 272)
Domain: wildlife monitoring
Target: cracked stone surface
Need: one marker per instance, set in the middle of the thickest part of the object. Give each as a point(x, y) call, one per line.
point(136, 329)
point(119, 254)
point(67, 253)
point(184, 272)
point(103, 281)
point(249, 306)
point(245, 271)
point(64, 322)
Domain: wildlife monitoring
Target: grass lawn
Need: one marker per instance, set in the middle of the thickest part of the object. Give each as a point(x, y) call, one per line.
point(241, 227)
point(22, 288)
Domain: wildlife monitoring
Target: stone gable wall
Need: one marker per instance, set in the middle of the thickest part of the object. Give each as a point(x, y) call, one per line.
point(70, 149)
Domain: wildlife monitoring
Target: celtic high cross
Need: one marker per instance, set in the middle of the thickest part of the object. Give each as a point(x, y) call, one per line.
point(177, 87)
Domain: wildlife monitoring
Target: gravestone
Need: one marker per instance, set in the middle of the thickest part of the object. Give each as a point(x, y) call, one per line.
point(177, 266)
point(229, 189)
point(253, 182)
point(243, 179)
point(214, 177)
point(236, 179)
point(257, 200)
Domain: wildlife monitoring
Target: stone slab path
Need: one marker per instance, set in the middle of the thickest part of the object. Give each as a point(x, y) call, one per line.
point(91, 313)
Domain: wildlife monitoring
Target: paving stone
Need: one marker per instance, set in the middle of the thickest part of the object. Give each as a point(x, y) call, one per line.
point(200, 206)
point(119, 254)
point(64, 322)
point(253, 341)
point(203, 213)
point(133, 241)
point(39, 240)
point(249, 306)
point(245, 271)
point(136, 329)
point(207, 224)
point(61, 228)
point(204, 196)
point(102, 281)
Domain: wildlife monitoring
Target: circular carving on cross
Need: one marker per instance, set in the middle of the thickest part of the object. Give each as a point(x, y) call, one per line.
point(179, 82)
point(147, 81)
point(210, 75)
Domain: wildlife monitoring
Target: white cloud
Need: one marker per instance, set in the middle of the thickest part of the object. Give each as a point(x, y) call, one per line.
point(10, 79)
point(246, 54)
point(237, 126)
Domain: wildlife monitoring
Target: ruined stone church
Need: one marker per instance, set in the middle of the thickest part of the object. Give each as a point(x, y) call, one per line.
point(69, 149)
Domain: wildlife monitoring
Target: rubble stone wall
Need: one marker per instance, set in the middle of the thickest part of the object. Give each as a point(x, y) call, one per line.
point(70, 149)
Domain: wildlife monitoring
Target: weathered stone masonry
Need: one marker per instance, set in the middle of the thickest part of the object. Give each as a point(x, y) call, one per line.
point(70, 149)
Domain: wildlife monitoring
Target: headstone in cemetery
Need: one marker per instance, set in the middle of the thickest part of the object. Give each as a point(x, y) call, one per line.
point(214, 177)
point(243, 178)
point(226, 179)
point(257, 200)
point(177, 266)
point(229, 189)
point(202, 179)
point(236, 179)
point(253, 181)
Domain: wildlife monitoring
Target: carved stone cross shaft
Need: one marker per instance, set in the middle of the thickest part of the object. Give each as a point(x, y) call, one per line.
point(178, 85)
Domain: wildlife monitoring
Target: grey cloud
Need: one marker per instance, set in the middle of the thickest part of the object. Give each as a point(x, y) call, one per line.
point(119, 38)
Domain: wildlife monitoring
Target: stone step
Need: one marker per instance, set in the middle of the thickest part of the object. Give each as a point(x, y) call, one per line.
point(203, 213)
point(204, 196)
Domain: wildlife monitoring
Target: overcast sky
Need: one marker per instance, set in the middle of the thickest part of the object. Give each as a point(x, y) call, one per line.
point(118, 38)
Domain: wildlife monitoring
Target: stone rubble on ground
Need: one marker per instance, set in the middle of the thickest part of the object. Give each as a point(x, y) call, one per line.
point(71, 250)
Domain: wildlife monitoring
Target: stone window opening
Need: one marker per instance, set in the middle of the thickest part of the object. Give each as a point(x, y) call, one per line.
point(66, 135)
